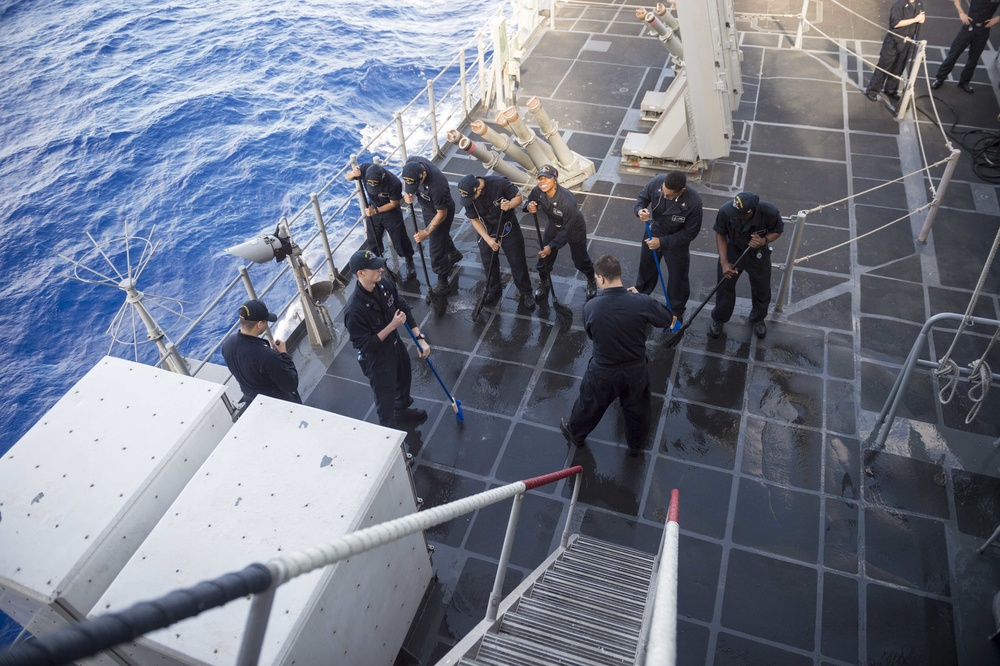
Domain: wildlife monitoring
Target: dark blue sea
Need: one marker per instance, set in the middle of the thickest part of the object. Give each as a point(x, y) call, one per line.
point(209, 120)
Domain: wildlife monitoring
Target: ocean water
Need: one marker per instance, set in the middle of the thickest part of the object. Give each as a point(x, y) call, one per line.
point(208, 120)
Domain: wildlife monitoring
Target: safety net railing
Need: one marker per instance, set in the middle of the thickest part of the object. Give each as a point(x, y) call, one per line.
point(75, 642)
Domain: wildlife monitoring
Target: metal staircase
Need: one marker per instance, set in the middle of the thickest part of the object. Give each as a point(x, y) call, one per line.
point(586, 608)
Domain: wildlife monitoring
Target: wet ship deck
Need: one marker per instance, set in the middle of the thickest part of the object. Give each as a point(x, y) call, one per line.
point(798, 543)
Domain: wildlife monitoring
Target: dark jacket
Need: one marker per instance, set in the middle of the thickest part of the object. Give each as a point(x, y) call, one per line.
point(616, 321)
point(434, 193)
point(259, 369)
point(566, 223)
point(487, 207)
point(675, 223)
point(390, 189)
point(367, 313)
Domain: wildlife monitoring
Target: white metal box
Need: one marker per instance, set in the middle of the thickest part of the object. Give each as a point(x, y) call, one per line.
point(82, 489)
point(285, 478)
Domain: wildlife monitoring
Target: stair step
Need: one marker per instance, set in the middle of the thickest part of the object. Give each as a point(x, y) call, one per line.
point(593, 623)
point(562, 636)
point(625, 579)
point(557, 601)
point(609, 560)
point(503, 650)
point(588, 589)
point(613, 550)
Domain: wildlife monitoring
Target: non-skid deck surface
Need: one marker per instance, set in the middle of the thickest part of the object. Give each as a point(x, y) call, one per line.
point(799, 544)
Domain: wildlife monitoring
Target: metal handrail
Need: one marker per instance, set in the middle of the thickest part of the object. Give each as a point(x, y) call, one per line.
point(89, 637)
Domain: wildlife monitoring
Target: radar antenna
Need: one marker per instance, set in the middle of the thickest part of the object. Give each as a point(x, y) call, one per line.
point(138, 305)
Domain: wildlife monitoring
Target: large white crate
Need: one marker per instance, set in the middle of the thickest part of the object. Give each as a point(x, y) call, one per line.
point(82, 489)
point(285, 478)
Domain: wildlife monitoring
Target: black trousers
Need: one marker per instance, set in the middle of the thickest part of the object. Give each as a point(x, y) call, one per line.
point(759, 271)
point(397, 235)
point(601, 386)
point(892, 58)
point(974, 40)
point(440, 244)
point(389, 375)
point(577, 249)
point(678, 261)
point(512, 244)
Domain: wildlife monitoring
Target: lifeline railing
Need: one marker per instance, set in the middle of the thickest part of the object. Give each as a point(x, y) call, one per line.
point(477, 83)
point(87, 638)
point(888, 414)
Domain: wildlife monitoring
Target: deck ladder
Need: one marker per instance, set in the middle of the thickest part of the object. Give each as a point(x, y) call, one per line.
point(585, 605)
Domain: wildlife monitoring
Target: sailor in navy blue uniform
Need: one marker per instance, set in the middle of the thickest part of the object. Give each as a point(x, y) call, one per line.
point(257, 367)
point(674, 211)
point(490, 203)
point(905, 18)
point(384, 192)
point(566, 226)
point(746, 221)
point(423, 179)
point(372, 315)
point(973, 35)
point(616, 321)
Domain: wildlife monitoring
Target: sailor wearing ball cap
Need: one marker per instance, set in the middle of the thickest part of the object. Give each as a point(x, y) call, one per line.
point(425, 182)
point(566, 226)
point(490, 204)
point(745, 222)
point(373, 314)
point(257, 367)
point(383, 191)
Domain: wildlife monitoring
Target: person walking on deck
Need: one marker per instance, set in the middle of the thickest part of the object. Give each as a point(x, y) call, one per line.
point(566, 226)
point(490, 203)
point(745, 222)
point(429, 184)
point(674, 213)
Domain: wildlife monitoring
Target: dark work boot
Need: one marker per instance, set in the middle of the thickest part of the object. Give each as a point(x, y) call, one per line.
point(528, 301)
point(591, 286)
point(443, 285)
point(542, 292)
point(411, 270)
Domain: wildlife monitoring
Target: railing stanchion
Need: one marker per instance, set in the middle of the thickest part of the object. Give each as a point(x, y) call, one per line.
point(508, 544)
point(253, 632)
point(786, 279)
point(321, 225)
point(567, 528)
point(481, 49)
point(434, 120)
point(949, 169)
point(802, 24)
point(911, 79)
point(402, 136)
point(252, 293)
point(465, 85)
